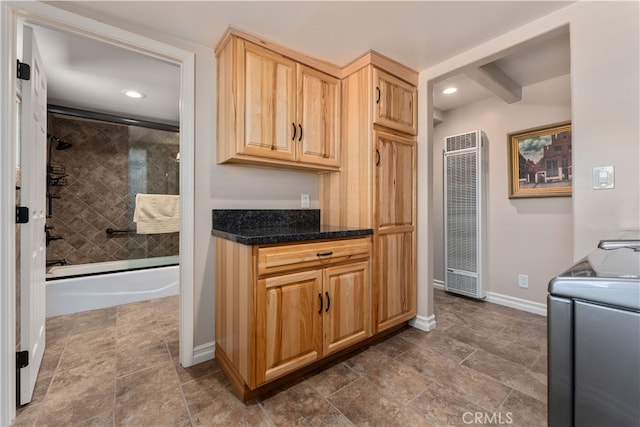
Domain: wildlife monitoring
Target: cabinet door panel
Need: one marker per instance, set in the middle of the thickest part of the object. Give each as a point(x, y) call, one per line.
point(269, 88)
point(288, 325)
point(395, 281)
point(319, 115)
point(395, 103)
point(395, 180)
point(346, 320)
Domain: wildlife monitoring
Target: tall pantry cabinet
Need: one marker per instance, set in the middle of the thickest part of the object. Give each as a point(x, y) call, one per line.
point(376, 187)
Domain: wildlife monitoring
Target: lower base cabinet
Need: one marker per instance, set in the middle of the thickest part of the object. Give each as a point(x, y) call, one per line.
point(304, 316)
point(271, 324)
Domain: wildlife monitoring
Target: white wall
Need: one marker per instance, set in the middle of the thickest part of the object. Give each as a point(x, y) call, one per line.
point(524, 236)
point(605, 45)
point(226, 187)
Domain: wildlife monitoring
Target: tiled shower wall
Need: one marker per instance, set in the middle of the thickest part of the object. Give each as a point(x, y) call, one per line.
point(105, 167)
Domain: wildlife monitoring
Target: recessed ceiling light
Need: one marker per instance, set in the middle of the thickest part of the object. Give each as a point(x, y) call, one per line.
point(450, 90)
point(134, 94)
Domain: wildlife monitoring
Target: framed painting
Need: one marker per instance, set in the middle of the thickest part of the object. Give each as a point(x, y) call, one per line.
point(540, 162)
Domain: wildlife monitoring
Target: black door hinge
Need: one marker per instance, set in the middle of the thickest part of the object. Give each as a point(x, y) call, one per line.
point(24, 71)
point(22, 214)
point(22, 359)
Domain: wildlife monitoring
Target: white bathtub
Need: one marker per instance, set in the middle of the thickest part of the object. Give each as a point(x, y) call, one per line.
point(104, 284)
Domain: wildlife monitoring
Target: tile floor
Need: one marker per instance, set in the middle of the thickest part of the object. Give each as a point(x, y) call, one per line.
point(484, 364)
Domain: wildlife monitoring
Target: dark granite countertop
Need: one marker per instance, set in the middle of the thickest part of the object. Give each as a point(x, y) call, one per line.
point(261, 226)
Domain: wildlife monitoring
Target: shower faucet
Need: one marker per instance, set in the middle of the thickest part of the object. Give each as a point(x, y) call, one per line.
point(51, 238)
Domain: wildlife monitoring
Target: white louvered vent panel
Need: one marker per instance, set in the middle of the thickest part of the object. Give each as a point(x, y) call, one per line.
point(462, 142)
point(461, 212)
point(465, 205)
point(462, 284)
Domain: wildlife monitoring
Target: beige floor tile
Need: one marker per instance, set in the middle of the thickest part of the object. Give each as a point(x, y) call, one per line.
point(332, 379)
point(524, 410)
point(42, 387)
point(498, 344)
point(397, 381)
point(509, 373)
point(150, 397)
point(393, 346)
point(442, 406)
point(211, 402)
point(79, 394)
point(301, 404)
point(139, 351)
point(471, 385)
point(135, 320)
point(528, 335)
point(439, 342)
point(51, 357)
point(449, 320)
point(361, 403)
point(87, 347)
point(102, 420)
point(94, 319)
point(540, 365)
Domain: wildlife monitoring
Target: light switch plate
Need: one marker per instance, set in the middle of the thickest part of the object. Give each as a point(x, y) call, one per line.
point(603, 177)
point(304, 200)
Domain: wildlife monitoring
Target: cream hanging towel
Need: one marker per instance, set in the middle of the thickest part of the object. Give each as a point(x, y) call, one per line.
point(157, 213)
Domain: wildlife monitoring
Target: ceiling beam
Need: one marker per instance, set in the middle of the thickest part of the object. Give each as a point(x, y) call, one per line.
point(438, 116)
point(496, 81)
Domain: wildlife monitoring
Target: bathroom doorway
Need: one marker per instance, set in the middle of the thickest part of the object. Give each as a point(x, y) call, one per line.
point(113, 152)
point(37, 14)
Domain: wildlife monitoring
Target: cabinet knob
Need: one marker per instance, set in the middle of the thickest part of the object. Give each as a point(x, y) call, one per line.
point(377, 157)
point(377, 95)
point(321, 303)
point(293, 138)
point(326, 310)
point(300, 137)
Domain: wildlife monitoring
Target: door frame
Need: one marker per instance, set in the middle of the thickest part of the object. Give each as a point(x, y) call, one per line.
point(11, 13)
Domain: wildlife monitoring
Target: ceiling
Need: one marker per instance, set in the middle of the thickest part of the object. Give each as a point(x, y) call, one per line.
point(90, 74)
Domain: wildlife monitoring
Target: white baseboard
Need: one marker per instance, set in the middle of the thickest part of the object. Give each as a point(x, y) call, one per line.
point(424, 323)
point(517, 303)
point(204, 352)
point(508, 301)
point(438, 284)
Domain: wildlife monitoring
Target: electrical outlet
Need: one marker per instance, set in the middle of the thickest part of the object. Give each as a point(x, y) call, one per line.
point(304, 200)
point(523, 280)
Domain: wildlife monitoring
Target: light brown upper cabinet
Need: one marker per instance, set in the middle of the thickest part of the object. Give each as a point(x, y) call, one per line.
point(395, 103)
point(318, 107)
point(274, 110)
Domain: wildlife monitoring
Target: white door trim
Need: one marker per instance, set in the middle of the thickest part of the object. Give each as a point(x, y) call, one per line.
point(7, 221)
point(40, 13)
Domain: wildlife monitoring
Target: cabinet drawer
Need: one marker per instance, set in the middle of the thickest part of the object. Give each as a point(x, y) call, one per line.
point(276, 259)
